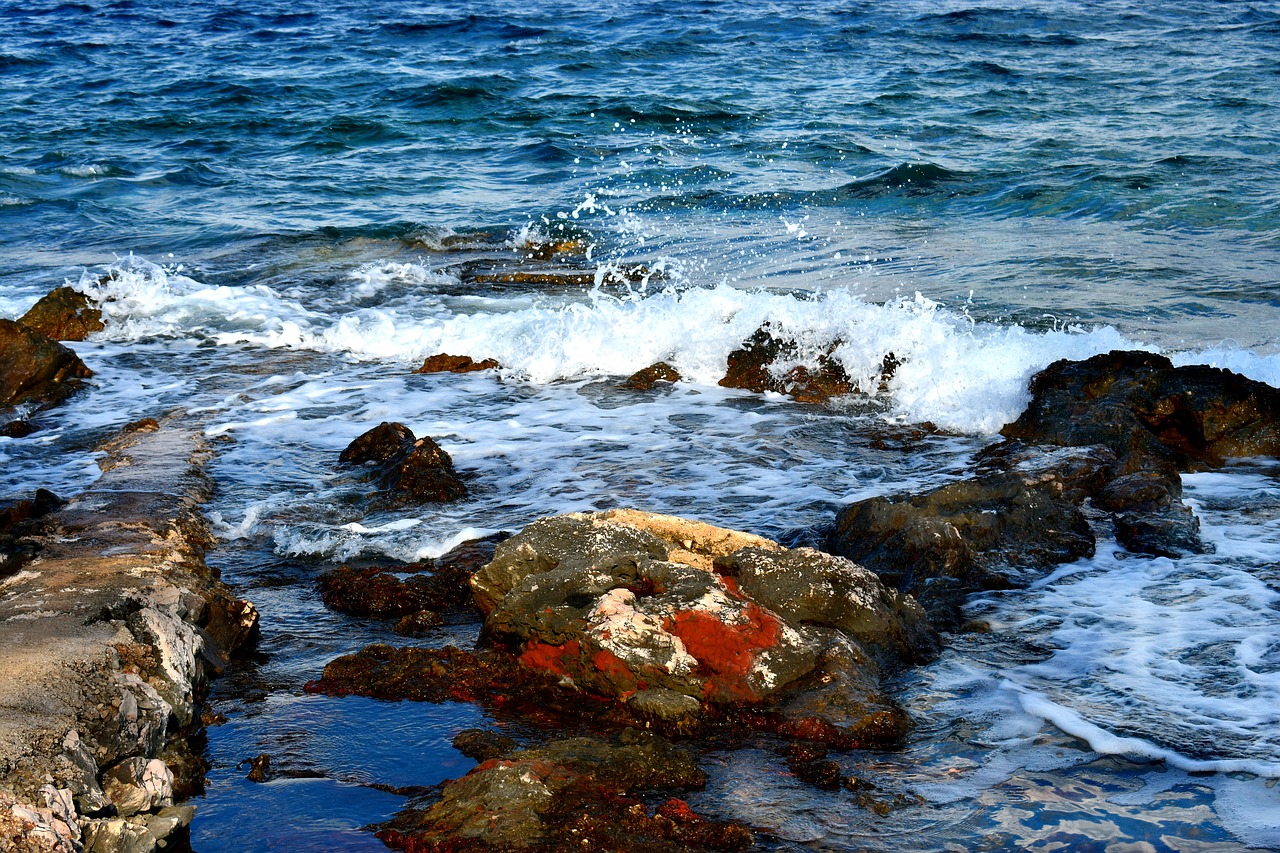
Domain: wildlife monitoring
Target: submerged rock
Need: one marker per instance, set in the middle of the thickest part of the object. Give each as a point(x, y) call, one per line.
point(36, 369)
point(576, 793)
point(64, 314)
point(406, 469)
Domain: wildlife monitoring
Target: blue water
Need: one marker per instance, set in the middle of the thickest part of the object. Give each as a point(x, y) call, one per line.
point(277, 191)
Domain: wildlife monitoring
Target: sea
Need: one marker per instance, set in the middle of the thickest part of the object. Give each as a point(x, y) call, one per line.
point(285, 206)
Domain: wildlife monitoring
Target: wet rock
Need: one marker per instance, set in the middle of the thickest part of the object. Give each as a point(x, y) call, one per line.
point(768, 361)
point(825, 774)
point(406, 469)
point(377, 591)
point(644, 380)
point(443, 363)
point(419, 624)
point(1139, 402)
point(482, 744)
point(231, 623)
point(568, 794)
point(64, 314)
point(674, 618)
point(259, 768)
point(440, 675)
point(36, 369)
point(18, 520)
point(842, 702)
point(991, 532)
point(614, 619)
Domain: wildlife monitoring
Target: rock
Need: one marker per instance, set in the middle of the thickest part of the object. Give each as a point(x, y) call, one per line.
point(419, 624)
point(580, 540)
point(990, 532)
point(1139, 402)
point(673, 617)
point(440, 585)
point(259, 768)
point(806, 586)
point(482, 744)
point(232, 623)
point(630, 622)
point(769, 362)
point(842, 703)
point(117, 835)
point(138, 785)
point(644, 380)
point(35, 369)
point(825, 773)
point(18, 520)
point(568, 794)
point(443, 363)
point(64, 314)
point(441, 675)
point(408, 469)
point(101, 678)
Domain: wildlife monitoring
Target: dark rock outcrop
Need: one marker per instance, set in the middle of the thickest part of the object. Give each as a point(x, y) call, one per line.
point(1137, 402)
point(1105, 437)
point(406, 469)
point(442, 584)
point(64, 314)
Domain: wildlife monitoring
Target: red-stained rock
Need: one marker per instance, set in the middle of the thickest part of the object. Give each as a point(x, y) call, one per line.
point(408, 469)
point(64, 314)
point(36, 369)
point(665, 614)
point(444, 363)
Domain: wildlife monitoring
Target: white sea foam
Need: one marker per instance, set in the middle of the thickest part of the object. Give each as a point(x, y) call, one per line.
point(962, 375)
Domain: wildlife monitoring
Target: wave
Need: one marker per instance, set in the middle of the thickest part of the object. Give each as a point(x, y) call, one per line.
point(957, 373)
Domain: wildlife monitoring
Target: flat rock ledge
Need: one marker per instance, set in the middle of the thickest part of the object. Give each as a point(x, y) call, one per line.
point(110, 636)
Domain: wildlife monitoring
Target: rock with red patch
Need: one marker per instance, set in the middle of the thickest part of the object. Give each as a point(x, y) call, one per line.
point(625, 604)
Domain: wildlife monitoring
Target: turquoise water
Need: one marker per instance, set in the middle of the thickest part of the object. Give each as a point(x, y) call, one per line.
point(285, 199)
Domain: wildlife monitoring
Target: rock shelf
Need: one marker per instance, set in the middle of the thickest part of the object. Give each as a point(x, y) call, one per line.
point(110, 635)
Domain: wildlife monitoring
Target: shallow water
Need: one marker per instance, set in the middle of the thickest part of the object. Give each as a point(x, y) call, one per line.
point(290, 203)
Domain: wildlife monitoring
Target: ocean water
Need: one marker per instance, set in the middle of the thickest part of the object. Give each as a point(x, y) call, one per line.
point(286, 206)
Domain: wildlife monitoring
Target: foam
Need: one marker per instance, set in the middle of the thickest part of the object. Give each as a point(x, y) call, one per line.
point(957, 373)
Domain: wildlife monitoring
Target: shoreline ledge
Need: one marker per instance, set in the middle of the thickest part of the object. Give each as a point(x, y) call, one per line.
point(110, 635)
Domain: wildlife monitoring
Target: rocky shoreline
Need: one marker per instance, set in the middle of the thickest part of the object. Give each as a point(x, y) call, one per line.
point(635, 639)
point(111, 633)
